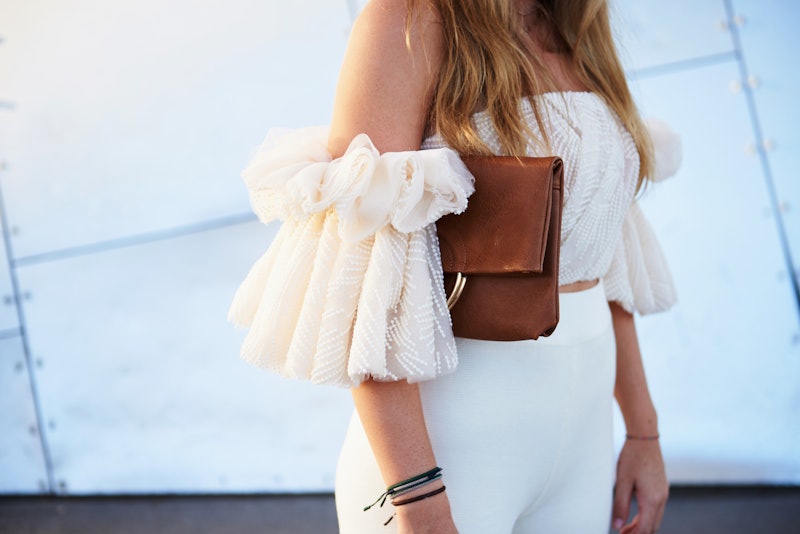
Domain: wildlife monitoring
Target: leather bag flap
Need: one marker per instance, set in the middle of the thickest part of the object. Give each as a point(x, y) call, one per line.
point(504, 228)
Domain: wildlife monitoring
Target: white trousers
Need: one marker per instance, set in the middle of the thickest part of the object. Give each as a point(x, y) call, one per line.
point(522, 431)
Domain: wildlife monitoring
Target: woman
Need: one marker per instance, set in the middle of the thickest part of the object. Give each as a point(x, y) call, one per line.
point(399, 94)
point(521, 430)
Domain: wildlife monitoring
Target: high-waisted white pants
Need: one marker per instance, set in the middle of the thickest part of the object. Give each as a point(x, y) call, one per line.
point(522, 431)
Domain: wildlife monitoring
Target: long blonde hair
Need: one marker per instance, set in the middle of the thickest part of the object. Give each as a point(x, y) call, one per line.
point(486, 64)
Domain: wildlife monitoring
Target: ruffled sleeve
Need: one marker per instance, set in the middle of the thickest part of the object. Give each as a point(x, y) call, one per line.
point(639, 278)
point(351, 287)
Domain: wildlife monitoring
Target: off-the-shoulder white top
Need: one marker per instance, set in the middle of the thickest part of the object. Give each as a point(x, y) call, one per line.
point(351, 287)
point(603, 232)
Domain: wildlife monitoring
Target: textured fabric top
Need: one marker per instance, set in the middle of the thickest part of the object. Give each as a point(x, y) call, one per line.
point(603, 233)
point(351, 286)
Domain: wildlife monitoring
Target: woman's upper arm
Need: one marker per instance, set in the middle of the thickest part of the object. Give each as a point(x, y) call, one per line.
point(384, 87)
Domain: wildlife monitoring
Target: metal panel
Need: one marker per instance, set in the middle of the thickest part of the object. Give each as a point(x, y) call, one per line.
point(22, 465)
point(769, 35)
point(136, 116)
point(142, 380)
point(9, 319)
point(724, 363)
point(655, 32)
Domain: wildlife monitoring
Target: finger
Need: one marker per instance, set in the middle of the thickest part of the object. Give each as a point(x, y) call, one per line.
point(660, 511)
point(646, 518)
point(659, 517)
point(622, 504)
point(631, 527)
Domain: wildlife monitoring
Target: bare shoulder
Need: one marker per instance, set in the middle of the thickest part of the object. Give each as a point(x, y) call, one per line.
point(385, 85)
point(381, 27)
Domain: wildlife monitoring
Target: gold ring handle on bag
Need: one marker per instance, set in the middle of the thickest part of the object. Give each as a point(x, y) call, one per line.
point(458, 288)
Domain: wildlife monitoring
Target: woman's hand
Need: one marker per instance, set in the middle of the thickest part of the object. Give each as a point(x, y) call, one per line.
point(640, 469)
point(640, 472)
point(429, 516)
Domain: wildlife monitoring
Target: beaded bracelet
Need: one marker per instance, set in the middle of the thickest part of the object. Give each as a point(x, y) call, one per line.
point(642, 438)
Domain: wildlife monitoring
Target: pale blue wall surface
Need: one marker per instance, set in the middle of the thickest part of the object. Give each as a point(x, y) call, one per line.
point(123, 129)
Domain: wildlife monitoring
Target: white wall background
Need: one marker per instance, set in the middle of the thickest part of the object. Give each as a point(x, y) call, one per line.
point(126, 229)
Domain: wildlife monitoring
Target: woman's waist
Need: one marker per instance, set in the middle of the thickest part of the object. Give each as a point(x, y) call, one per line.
point(583, 315)
point(583, 312)
point(578, 286)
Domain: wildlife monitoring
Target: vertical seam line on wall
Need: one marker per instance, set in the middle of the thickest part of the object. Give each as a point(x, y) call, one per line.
point(48, 462)
point(352, 8)
point(767, 170)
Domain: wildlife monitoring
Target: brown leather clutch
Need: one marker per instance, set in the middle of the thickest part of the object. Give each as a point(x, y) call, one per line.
point(500, 257)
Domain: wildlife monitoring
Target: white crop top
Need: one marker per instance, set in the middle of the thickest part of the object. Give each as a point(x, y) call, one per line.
point(351, 286)
point(603, 232)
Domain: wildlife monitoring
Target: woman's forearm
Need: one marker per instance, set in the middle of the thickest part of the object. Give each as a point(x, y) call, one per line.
point(630, 388)
point(640, 469)
point(391, 413)
point(392, 416)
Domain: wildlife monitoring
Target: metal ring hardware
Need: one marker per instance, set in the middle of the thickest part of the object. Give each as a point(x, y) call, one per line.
point(458, 288)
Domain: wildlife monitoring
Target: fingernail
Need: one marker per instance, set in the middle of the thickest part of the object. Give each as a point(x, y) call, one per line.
point(618, 523)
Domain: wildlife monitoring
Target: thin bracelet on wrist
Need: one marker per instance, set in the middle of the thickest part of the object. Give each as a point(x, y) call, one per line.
point(405, 486)
point(418, 498)
point(424, 496)
point(654, 437)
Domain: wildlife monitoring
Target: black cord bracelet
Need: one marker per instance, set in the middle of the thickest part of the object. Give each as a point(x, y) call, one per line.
point(437, 491)
point(408, 484)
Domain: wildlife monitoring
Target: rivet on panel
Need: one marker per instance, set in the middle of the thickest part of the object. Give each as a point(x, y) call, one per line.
point(723, 25)
point(784, 207)
point(62, 485)
point(51, 424)
point(750, 149)
point(735, 86)
point(753, 81)
point(8, 300)
point(739, 20)
point(19, 367)
point(3, 165)
point(15, 230)
point(26, 295)
point(768, 144)
point(32, 430)
point(39, 363)
point(42, 486)
point(796, 338)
